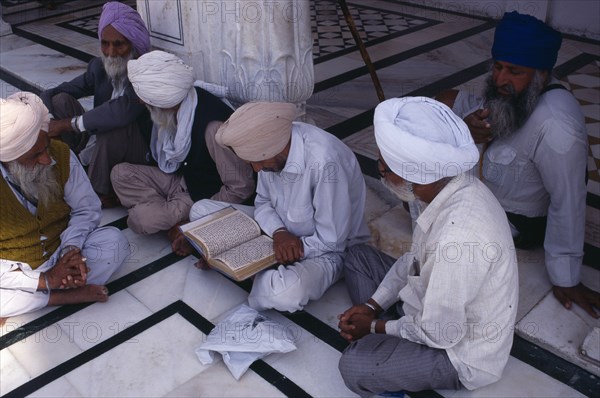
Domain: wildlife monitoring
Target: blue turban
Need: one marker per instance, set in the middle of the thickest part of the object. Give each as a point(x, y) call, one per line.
point(526, 41)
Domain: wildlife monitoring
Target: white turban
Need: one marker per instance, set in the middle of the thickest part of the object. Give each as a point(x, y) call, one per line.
point(22, 116)
point(160, 79)
point(422, 140)
point(258, 130)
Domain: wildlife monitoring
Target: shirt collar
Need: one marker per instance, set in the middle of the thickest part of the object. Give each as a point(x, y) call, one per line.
point(431, 212)
point(295, 163)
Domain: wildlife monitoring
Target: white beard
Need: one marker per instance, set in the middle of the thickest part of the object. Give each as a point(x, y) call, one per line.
point(404, 190)
point(166, 120)
point(116, 69)
point(38, 184)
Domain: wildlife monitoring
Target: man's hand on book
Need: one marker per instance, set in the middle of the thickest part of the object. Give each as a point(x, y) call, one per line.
point(288, 247)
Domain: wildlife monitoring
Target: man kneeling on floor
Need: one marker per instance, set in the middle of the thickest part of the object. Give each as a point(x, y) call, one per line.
point(455, 292)
point(310, 198)
point(51, 249)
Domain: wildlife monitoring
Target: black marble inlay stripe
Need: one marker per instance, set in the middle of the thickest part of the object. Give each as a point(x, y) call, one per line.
point(121, 223)
point(556, 367)
point(394, 59)
point(574, 64)
point(68, 25)
point(94, 352)
point(593, 200)
point(264, 370)
point(440, 10)
point(279, 381)
point(591, 254)
point(46, 320)
point(70, 51)
point(365, 119)
point(70, 11)
point(429, 23)
point(18, 82)
point(373, 42)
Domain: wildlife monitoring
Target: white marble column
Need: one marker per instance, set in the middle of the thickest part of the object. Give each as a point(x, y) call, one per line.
point(260, 50)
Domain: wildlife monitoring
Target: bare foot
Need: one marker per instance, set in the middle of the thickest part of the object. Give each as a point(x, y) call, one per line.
point(2, 320)
point(202, 264)
point(181, 246)
point(85, 294)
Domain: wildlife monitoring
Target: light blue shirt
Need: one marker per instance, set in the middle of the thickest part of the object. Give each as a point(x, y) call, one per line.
point(85, 216)
point(319, 196)
point(539, 170)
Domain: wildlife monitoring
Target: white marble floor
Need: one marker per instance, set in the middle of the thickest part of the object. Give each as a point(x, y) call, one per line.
point(142, 341)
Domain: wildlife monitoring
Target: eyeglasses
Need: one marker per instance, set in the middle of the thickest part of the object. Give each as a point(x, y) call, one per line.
point(382, 169)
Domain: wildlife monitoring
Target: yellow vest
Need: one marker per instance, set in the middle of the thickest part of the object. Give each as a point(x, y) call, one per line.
point(20, 231)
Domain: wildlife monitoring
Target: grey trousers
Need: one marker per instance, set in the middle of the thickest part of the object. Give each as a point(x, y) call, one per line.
point(125, 144)
point(380, 363)
point(156, 200)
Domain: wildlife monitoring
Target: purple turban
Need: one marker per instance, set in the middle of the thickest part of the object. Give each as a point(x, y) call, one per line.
point(127, 22)
point(526, 41)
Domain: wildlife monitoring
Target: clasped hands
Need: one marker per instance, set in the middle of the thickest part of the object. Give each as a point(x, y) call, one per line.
point(69, 272)
point(355, 322)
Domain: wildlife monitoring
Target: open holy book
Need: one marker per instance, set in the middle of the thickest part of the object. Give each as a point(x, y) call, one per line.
point(231, 242)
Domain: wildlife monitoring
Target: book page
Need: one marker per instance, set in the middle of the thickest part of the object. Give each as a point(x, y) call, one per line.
point(248, 253)
point(225, 232)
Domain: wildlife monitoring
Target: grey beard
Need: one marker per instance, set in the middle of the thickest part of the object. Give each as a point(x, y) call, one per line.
point(165, 119)
point(508, 114)
point(38, 184)
point(403, 191)
point(116, 69)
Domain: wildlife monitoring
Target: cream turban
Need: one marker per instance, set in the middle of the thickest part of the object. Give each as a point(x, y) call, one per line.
point(160, 79)
point(422, 140)
point(258, 130)
point(22, 116)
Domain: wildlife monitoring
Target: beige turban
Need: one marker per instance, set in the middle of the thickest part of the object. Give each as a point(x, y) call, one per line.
point(422, 140)
point(22, 116)
point(160, 79)
point(258, 130)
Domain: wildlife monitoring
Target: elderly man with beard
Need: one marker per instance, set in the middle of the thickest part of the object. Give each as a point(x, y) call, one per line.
point(51, 249)
point(441, 316)
point(190, 165)
point(118, 120)
point(310, 198)
point(535, 144)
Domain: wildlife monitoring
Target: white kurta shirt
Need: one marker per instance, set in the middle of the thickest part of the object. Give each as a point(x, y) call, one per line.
point(84, 218)
point(459, 283)
point(319, 196)
point(539, 170)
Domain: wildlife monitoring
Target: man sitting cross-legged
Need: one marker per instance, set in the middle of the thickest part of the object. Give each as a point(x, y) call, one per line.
point(189, 164)
point(51, 249)
point(310, 199)
point(454, 294)
point(118, 120)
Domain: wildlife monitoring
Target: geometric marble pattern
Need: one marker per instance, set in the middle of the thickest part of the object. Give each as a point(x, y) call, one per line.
point(141, 342)
point(331, 34)
point(585, 86)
